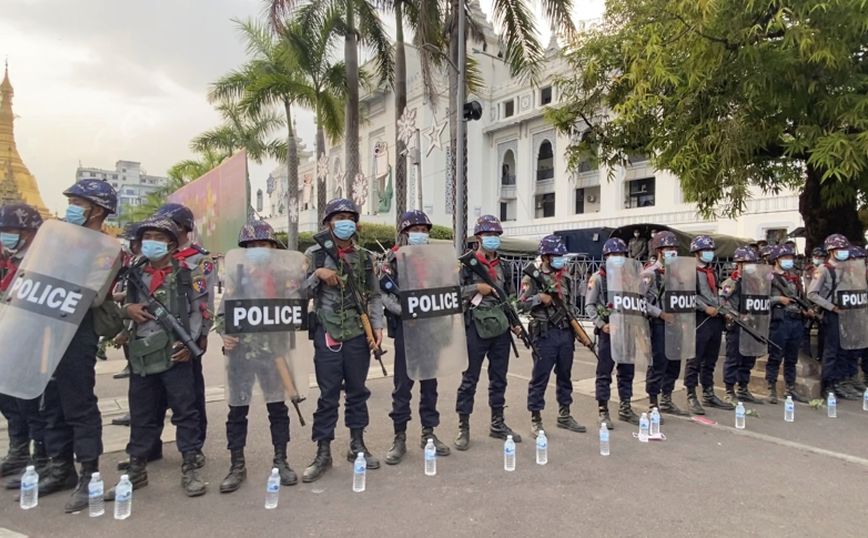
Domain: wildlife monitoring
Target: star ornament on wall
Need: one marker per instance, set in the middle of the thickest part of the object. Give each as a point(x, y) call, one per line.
point(407, 128)
point(360, 189)
point(434, 135)
point(322, 167)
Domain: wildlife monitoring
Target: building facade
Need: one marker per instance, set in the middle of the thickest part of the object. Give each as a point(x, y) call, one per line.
point(130, 181)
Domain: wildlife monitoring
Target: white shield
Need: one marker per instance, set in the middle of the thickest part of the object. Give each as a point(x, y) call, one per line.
point(628, 328)
point(679, 300)
point(852, 298)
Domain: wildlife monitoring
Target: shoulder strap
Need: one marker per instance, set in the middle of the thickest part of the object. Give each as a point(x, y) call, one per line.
point(184, 293)
point(319, 257)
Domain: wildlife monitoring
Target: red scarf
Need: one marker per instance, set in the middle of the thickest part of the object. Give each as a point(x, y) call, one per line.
point(709, 276)
point(793, 279)
point(559, 277)
point(735, 276)
point(6, 264)
point(490, 265)
point(182, 255)
point(158, 276)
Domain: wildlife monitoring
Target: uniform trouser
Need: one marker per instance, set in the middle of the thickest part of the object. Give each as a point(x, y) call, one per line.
point(73, 424)
point(497, 350)
point(555, 349)
point(662, 372)
point(605, 366)
point(736, 367)
point(146, 394)
point(199, 394)
point(236, 425)
point(402, 393)
point(787, 332)
point(15, 420)
point(347, 367)
point(834, 356)
point(864, 354)
point(701, 368)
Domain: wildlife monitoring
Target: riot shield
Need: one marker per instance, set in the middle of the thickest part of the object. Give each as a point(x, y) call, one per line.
point(852, 298)
point(67, 270)
point(755, 309)
point(628, 329)
point(680, 300)
point(262, 306)
point(435, 342)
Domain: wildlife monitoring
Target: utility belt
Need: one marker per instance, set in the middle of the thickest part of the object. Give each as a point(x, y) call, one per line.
point(539, 328)
point(782, 312)
point(151, 354)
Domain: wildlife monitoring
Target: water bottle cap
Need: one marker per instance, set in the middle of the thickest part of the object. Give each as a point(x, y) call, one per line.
point(509, 438)
point(95, 476)
point(30, 468)
point(275, 470)
point(361, 455)
point(644, 415)
point(125, 477)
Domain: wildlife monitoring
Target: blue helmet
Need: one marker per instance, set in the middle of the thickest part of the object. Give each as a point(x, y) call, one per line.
point(613, 245)
point(702, 242)
point(487, 224)
point(414, 217)
point(857, 252)
point(553, 245)
point(160, 224)
point(130, 231)
point(20, 217)
point(257, 230)
point(744, 254)
point(96, 191)
point(664, 239)
point(340, 205)
point(181, 214)
point(819, 252)
point(836, 241)
point(779, 251)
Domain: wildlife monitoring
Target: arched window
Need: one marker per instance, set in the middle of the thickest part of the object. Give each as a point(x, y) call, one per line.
point(545, 162)
point(507, 169)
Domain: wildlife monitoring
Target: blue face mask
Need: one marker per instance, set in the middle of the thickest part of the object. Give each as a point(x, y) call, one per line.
point(670, 255)
point(749, 268)
point(154, 250)
point(491, 243)
point(618, 261)
point(842, 255)
point(75, 215)
point(258, 255)
point(417, 238)
point(707, 256)
point(786, 265)
point(344, 229)
point(10, 241)
point(558, 262)
point(817, 262)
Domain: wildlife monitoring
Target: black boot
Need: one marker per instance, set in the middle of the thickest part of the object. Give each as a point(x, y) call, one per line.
point(668, 406)
point(567, 422)
point(745, 396)
point(536, 424)
point(122, 421)
point(604, 418)
point(626, 413)
point(237, 472)
point(730, 397)
point(320, 463)
point(439, 446)
point(710, 399)
point(137, 473)
point(60, 475)
point(40, 461)
point(856, 383)
point(841, 391)
point(398, 449)
point(357, 444)
point(193, 485)
point(773, 393)
point(498, 428)
point(17, 458)
point(693, 402)
point(791, 391)
point(287, 475)
point(462, 442)
point(78, 501)
point(156, 455)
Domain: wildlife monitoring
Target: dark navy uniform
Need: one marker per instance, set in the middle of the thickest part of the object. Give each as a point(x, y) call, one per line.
point(786, 329)
point(662, 372)
point(736, 367)
point(597, 310)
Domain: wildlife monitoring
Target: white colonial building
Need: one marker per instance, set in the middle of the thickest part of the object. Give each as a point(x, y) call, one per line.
point(129, 179)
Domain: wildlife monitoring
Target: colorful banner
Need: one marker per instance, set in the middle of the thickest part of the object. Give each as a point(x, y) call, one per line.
point(218, 200)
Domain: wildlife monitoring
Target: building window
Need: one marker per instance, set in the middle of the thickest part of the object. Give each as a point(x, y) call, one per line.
point(507, 169)
point(545, 96)
point(580, 201)
point(509, 108)
point(114, 176)
point(544, 205)
point(545, 162)
point(640, 193)
point(507, 210)
point(776, 236)
point(588, 200)
point(115, 185)
point(124, 170)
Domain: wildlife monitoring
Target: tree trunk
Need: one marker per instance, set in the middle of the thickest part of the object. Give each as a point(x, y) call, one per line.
point(821, 220)
point(400, 105)
point(321, 195)
point(351, 136)
point(292, 181)
point(453, 87)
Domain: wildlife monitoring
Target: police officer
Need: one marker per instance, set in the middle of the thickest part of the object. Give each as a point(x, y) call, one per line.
point(787, 324)
point(737, 367)
point(662, 372)
point(18, 225)
point(551, 333)
point(414, 229)
point(860, 384)
point(160, 364)
point(73, 426)
point(342, 354)
point(597, 309)
point(818, 258)
point(709, 330)
point(487, 335)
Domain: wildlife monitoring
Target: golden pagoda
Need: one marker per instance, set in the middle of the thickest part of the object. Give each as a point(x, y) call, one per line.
point(16, 182)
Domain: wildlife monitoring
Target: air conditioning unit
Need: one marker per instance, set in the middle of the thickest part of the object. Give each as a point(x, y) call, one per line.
point(591, 198)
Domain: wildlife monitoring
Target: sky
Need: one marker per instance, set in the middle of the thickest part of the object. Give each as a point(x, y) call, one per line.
point(97, 81)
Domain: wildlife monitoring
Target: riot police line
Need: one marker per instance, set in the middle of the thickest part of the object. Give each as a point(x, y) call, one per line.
point(446, 317)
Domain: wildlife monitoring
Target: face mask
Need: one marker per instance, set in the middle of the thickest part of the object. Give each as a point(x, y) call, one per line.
point(842, 255)
point(817, 261)
point(636, 234)
point(786, 265)
point(558, 262)
point(258, 255)
point(9, 241)
point(344, 229)
point(417, 238)
point(154, 250)
point(669, 255)
point(618, 261)
point(707, 256)
point(75, 215)
point(750, 268)
point(491, 243)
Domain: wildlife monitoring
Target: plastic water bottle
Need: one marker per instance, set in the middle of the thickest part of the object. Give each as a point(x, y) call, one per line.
point(509, 454)
point(272, 489)
point(865, 401)
point(123, 498)
point(643, 428)
point(604, 440)
point(360, 468)
point(655, 422)
point(29, 488)
point(430, 458)
point(789, 410)
point(739, 416)
point(832, 405)
point(95, 497)
point(542, 448)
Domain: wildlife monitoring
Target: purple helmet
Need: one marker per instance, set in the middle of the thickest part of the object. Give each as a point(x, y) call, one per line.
point(744, 254)
point(20, 217)
point(702, 242)
point(487, 224)
point(857, 252)
point(340, 205)
point(96, 191)
point(414, 217)
point(181, 214)
point(160, 224)
point(766, 250)
point(130, 231)
point(664, 239)
point(779, 251)
point(552, 244)
point(819, 252)
point(836, 241)
point(613, 245)
point(256, 230)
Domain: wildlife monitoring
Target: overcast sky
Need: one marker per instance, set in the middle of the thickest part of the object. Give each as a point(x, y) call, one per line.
point(98, 81)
